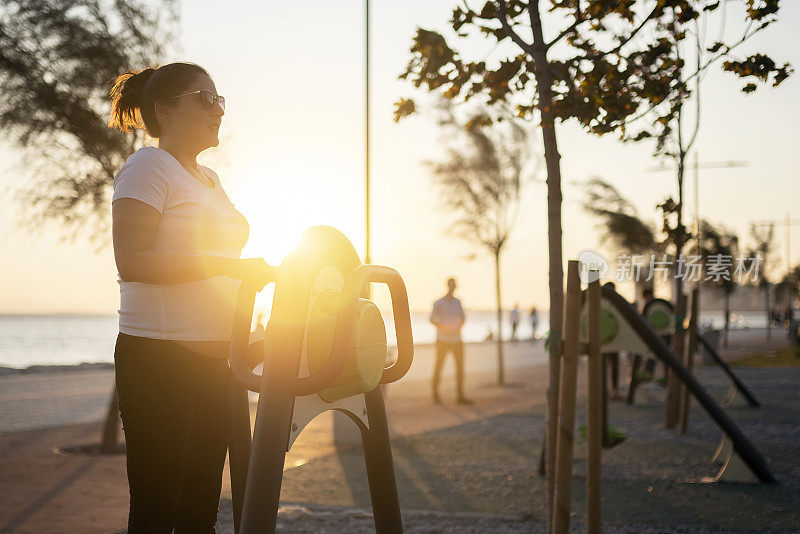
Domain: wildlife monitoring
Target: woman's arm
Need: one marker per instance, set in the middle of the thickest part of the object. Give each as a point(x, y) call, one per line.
point(134, 226)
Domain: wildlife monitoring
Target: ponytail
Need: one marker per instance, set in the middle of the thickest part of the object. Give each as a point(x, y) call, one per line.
point(134, 94)
point(127, 99)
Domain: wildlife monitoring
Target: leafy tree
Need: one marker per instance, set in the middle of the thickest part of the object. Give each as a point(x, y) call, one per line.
point(601, 63)
point(480, 182)
point(620, 226)
point(56, 58)
point(720, 242)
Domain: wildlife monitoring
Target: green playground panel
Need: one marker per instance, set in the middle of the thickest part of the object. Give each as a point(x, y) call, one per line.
point(660, 319)
point(609, 326)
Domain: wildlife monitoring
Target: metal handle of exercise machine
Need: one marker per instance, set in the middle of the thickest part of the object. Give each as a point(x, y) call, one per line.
point(343, 335)
point(342, 338)
point(240, 337)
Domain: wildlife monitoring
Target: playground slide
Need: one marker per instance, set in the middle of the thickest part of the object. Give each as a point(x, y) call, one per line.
point(659, 349)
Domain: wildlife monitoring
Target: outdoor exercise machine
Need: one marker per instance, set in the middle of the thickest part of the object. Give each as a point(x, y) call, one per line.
point(660, 314)
point(624, 329)
point(324, 349)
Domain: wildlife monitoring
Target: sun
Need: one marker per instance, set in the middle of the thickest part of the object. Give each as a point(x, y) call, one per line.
point(286, 192)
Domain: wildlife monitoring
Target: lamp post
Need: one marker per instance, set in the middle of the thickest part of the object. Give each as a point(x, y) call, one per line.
point(367, 251)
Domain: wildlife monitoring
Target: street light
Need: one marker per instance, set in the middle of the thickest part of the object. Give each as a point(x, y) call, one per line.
point(367, 254)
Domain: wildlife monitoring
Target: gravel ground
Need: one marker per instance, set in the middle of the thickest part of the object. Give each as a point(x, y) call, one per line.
point(329, 520)
point(652, 482)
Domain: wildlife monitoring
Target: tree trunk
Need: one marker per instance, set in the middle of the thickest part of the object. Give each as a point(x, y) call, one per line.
point(500, 363)
point(673, 386)
point(556, 269)
point(679, 236)
point(727, 318)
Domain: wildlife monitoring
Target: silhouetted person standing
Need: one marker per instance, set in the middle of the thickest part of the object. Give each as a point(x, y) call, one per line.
point(448, 317)
point(514, 322)
point(534, 322)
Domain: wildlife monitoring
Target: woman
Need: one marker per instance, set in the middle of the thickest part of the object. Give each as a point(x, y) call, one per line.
point(177, 243)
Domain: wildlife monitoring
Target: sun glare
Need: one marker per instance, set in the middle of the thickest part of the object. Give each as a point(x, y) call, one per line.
point(287, 192)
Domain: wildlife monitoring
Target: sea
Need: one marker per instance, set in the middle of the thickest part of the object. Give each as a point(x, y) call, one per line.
point(70, 339)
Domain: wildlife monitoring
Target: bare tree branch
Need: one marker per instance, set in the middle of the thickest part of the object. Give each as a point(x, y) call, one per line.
point(514, 36)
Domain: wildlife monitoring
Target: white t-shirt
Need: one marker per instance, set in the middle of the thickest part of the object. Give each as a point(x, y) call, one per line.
point(448, 314)
point(197, 220)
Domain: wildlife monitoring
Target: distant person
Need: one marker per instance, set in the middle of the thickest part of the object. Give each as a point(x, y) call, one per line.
point(514, 322)
point(448, 317)
point(534, 322)
point(774, 317)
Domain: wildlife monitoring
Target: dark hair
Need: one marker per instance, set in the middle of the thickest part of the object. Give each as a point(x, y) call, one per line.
point(134, 93)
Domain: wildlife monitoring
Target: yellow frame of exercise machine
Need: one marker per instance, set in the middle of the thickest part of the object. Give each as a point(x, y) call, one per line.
point(289, 400)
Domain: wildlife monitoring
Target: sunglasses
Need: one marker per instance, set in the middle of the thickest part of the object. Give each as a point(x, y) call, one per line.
point(207, 99)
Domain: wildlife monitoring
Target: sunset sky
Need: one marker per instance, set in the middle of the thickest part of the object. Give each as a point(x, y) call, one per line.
point(291, 156)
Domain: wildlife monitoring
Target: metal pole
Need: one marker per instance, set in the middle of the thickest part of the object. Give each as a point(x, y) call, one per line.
point(367, 253)
point(697, 203)
point(380, 467)
point(788, 264)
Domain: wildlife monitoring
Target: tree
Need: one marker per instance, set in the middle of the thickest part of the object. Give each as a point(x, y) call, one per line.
point(719, 242)
point(603, 63)
point(763, 237)
point(788, 287)
point(480, 182)
point(620, 225)
point(56, 58)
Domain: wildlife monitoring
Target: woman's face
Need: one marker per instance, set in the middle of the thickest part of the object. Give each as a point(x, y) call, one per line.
point(188, 120)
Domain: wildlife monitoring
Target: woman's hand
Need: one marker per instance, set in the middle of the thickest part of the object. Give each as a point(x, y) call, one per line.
point(254, 270)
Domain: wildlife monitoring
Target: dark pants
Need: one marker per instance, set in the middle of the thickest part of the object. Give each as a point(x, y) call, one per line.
point(442, 348)
point(174, 408)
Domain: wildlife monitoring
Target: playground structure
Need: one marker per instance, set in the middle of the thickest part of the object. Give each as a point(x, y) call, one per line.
point(598, 321)
point(660, 314)
point(325, 349)
point(625, 330)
